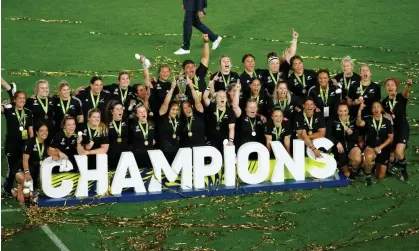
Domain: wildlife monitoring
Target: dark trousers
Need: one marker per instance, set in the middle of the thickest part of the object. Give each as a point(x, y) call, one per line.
point(192, 19)
point(13, 159)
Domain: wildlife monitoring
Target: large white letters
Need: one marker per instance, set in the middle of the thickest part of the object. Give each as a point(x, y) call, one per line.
point(200, 169)
point(46, 176)
point(127, 163)
point(295, 166)
point(100, 174)
point(243, 163)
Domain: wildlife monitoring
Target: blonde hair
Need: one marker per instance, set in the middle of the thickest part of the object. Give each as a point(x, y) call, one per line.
point(102, 129)
point(275, 97)
point(38, 83)
point(347, 59)
point(62, 84)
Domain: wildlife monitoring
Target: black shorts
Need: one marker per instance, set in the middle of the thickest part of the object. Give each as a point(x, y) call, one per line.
point(401, 136)
point(342, 159)
point(383, 157)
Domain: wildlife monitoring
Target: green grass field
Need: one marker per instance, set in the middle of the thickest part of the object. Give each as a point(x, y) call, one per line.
point(76, 39)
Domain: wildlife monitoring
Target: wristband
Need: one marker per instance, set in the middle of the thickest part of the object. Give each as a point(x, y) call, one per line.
point(231, 139)
point(294, 41)
point(27, 172)
point(206, 42)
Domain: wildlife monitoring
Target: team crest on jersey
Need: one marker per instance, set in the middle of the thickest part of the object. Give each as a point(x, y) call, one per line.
point(62, 142)
point(372, 91)
point(309, 78)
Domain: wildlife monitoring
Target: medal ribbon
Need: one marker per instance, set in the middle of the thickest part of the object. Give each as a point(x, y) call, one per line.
point(392, 104)
point(21, 118)
point(90, 133)
point(252, 124)
point(256, 100)
point(41, 149)
point(220, 118)
point(95, 102)
point(44, 107)
point(377, 129)
point(346, 84)
point(224, 80)
point(324, 95)
point(65, 108)
point(309, 123)
point(174, 125)
point(123, 96)
point(361, 87)
point(303, 82)
point(278, 131)
point(118, 130)
point(145, 133)
point(345, 124)
point(284, 102)
point(195, 80)
point(189, 125)
point(272, 76)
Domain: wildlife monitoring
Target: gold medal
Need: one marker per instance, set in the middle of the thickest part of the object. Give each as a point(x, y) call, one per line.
point(91, 142)
point(151, 114)
point(119, 140)
point(174, 136)
point(218, 128)
point(46, 117)
point(304, 91)
point(41, 162)
point(190, 134)
point(146, 143)
point(21, 128)
point(253, 134)
point(394, 116)
point(310, 132)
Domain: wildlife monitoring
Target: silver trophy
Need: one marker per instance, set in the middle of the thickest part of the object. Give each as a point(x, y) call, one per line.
point(181, 83)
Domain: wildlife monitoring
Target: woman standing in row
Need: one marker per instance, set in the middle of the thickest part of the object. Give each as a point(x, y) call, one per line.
point(287, 102)
point(118, 133)
point(66, 105)
point(278, 130)
point(347, 77)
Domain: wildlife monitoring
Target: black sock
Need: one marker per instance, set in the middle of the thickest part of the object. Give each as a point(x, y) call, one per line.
point(402, 164)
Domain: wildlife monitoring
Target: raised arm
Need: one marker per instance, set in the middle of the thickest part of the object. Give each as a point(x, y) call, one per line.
point(205, 51)
point(146, 73)
point(293, 47)
point(359, 121)
point(165, 105)
point(198, 104)
point(236, 101)
point(5, 85)
point(206, 97)
point(406, 90)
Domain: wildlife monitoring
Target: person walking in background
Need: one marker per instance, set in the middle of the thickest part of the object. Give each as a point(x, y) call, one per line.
point(194, 11)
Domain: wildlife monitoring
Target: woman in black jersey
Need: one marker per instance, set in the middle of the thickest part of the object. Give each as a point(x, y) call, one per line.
point(343, 132)
point(220, 121)
point(169, 129)
point(192, 124)
point(277, 71)
point(64, 144)
point(161, 87)
point(42, 106)
point(325, 95)
point(250, 127)
point(19, 128)
point(310, 125)
point(118, 133)
point(395, 107)
point(225, 76)
point(34, 153)
point(379, 135)
point(285, 101)
point(347, 77)
point(142, 133)
point(95, 138)
point(365, 92)
point(263, 101)
point(301, 80)
point(278, 129)
point(66, 105)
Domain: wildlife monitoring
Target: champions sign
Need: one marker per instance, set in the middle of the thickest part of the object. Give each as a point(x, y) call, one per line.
point(190, 176)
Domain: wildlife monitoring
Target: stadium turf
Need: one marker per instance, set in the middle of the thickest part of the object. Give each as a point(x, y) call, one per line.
point(76, 39)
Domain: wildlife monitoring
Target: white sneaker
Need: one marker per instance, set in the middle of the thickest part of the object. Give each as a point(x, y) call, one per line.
point(182, 52)
point(216, 43)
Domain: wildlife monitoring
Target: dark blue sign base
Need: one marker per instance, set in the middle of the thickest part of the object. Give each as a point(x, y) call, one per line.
point(171, 193)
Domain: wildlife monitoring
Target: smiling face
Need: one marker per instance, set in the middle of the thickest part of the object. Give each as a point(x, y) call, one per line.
point(97, 87)
point(190, 70)
point(43, 90)
point(124, 81)
point(274, 65)
point(20, 100)
point(255, 87)
point(174, 110)
point(251, 109)
point(377, 109)
point(43, 132)
point(142, 92)
point(164, 73)
point(117, 112)
point(277, 117)
point(94, 119)
point(141, 113)
point(323, 80)
point(70, 126)
point(282, 90)
point(298, 66)
point(225, 65)
point(309, 107)
point(64, 92)
point(343, 112)
point(365, 72)
point(187, 109)
point(249, 64)
point(391, 87)
point(221, 98)
point(347, 68)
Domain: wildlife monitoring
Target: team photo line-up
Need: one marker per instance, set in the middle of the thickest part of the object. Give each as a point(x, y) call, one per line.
point(280, 103)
